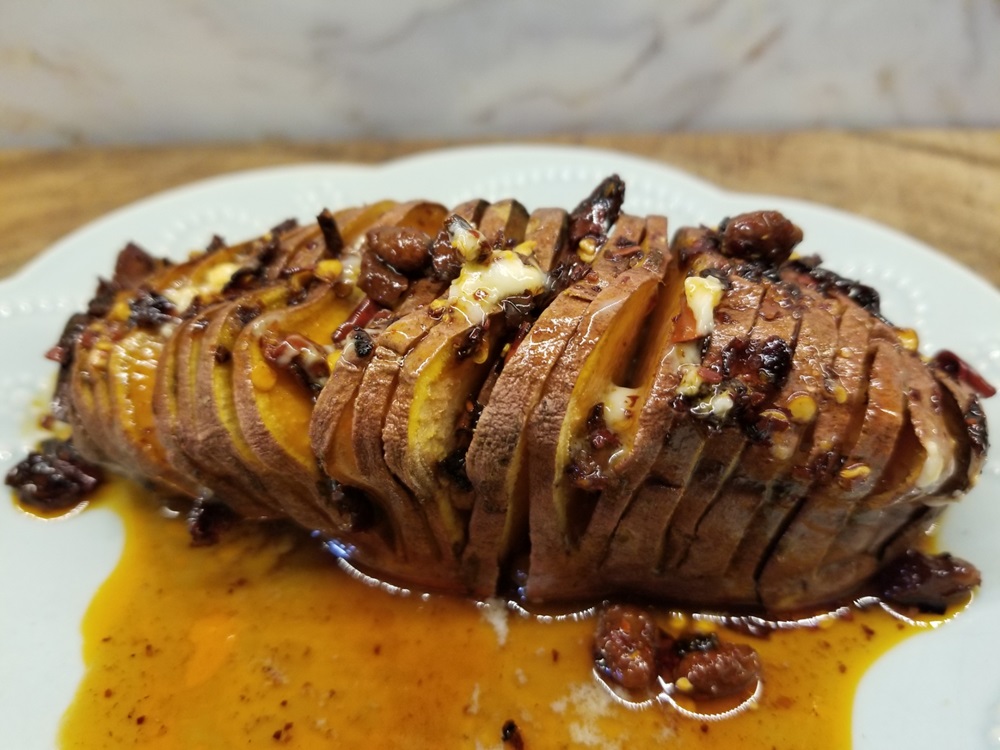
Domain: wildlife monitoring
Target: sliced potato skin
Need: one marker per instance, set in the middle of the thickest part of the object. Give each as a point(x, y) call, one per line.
point(469, 380)
point(785, 576)
point(766, 472)
point(432, 381)
point(495, 460)
point(719, 530)
point(596, 357)
point(352, 407)
point(598, 429)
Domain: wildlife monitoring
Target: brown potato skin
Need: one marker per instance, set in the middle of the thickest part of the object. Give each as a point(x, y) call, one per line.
point(695, 507)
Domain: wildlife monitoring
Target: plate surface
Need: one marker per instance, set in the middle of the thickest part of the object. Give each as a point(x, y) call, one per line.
point(940, 689)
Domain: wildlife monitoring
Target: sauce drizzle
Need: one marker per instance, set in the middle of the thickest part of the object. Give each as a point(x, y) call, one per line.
point(261, 641)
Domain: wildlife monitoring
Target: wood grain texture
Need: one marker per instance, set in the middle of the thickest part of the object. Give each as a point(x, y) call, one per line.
point(942, 187)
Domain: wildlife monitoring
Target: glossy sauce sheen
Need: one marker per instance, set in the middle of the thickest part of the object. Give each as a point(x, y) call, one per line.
point(262, 641)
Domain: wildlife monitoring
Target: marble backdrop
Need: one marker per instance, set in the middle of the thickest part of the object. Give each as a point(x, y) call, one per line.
point(141, 71)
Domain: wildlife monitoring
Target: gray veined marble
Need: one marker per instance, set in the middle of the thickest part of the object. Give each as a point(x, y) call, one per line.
point(171, 70)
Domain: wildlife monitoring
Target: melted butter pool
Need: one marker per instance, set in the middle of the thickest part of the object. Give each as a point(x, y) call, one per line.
point(262, 641)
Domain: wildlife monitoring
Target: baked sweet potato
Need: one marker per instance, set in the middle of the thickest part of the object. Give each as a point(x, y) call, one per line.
point(463, 399)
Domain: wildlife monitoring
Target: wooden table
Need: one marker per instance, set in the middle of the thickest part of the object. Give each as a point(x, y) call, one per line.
point(942, 187)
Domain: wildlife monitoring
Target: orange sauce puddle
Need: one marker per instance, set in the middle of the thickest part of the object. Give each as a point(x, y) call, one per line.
point(262, 641)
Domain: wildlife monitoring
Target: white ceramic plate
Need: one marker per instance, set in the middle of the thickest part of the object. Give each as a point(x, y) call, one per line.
point(941, 689)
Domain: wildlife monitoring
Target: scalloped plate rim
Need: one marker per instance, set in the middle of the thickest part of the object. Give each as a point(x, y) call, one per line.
point(900, 664)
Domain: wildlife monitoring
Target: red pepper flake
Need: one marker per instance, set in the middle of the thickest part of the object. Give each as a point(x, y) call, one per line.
point(685, 326)
point(963, 372)
point(359, 318)
point(59, 354)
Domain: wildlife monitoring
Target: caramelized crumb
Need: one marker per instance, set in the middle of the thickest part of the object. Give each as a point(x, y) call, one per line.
point(207, 521)
point(928, 582)
point(625, 646)
point(55, 477)
point(150, 310)
point(963, 372)
point(760, 236)
point(722, 671)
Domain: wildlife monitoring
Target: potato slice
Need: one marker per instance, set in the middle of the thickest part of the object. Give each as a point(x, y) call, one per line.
point(210, 433)
point(225, 274)
point(168, 391)
point(702, 572)
point(786, 576)
point(126, 341)
point(598, 357)
point(924, 461)
point(449, 383)
point(723, 447)
point(85, 376)
point(796, 408)
point(495, 454)
point(90, 414)
point(675, 441)
point(132, 366)
point(837, 426)
point(426, 386)
point(134, 360)
point(966, 419)
point(208, 427)
point(497, 458)
point(273, 405)
point(349, 449)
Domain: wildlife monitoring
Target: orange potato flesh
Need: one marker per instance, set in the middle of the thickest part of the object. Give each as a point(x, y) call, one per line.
point(281, 409)
point(406, 451)
point(247, 429)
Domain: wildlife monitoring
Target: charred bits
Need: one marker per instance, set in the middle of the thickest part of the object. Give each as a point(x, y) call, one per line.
point(454, 464)
point(446, 263)
point(760, 236)
point(598, 211)
point(331, 233)
point(928, 582)
point(963, 372)
point(762, 365)
point(133, 266)
point(62, 353)
point(586, 469)
point(55, 477)
point(471, 342)
point(207, 521)
point(510, 734)
point(827, 282)
point(363, 343)
point(150, 310)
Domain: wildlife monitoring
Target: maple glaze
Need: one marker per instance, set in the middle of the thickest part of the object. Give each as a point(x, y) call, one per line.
point(262, 641)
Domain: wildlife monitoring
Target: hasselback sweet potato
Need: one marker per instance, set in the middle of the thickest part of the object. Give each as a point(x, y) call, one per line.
point(470, 399)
